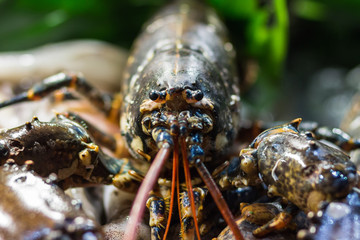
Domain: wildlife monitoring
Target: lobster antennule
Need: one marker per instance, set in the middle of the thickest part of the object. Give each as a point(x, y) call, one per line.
point(147, 185)
point(218, 198)
point(174, 184)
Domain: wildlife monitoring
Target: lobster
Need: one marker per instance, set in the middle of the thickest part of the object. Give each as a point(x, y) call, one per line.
point(180, 98)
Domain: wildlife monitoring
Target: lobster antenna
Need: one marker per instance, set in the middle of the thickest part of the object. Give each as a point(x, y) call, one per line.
point(218, 198)
point(147, 185)
point(188, 185)
point(175, 178)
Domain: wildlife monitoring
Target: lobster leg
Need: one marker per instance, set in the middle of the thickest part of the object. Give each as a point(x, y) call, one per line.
point(109, 170)
point(280, 221)
point(313, 130)
point(156, 206)
point(187, 224)
point(103, 101)
point(114, 142)
point(242, 171)
point(102, 138)
point(268, 216)
point(334, 135)
point(126, 177)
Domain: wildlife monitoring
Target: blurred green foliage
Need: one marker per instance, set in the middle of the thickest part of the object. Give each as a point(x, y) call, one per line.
point(25, 24)
point(265, 39)
point(266, 26)
point(291, 40)
point(270, 32)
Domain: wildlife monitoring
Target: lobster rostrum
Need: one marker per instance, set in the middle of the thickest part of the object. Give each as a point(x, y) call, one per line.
point(181, 98)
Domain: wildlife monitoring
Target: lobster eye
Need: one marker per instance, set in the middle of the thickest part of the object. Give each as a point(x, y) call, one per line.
point(154, 95)
point(309, 135)
point(188, 94)
point(162, 95)
point(198, 95)
point(193, 96)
